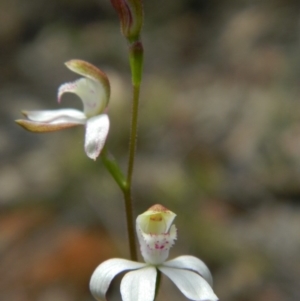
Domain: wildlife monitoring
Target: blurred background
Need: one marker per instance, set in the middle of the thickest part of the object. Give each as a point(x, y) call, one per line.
point(219, 144)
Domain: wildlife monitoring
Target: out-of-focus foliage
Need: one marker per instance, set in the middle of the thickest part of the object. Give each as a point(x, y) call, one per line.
point(219, 144)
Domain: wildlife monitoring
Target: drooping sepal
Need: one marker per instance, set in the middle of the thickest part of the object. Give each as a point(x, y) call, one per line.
point(95, 135)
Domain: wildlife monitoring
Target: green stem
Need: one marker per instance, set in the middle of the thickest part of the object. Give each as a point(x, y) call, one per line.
point(133, 134)
point(125, 184)
point(157, 284)
point(128, 190)
point(112, 166)
point(136, 65)
point(130, 225)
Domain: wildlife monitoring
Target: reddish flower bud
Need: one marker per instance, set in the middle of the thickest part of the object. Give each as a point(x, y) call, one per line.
point(131, 17)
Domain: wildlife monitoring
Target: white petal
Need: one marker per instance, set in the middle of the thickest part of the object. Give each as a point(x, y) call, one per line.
point(191, 263)
point(56, 116)
point(95, 135)
point(91, 92)
point(105, 273)
point(192, 285)
point(139, 285)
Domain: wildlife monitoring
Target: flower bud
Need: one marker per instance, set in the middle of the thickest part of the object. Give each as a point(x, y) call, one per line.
point(131, 17)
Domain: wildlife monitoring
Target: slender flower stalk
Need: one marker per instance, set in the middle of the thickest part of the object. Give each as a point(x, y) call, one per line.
point(136, 64)
point(136, 59)
point(130, 225)
point(131, 17)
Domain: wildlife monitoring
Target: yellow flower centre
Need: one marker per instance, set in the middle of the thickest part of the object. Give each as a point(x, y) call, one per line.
point(156, 224)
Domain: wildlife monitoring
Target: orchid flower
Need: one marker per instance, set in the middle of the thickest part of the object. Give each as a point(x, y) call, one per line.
point(94, 91)
point(156, 236)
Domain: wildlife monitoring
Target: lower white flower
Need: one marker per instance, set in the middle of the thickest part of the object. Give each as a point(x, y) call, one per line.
point(156, 235)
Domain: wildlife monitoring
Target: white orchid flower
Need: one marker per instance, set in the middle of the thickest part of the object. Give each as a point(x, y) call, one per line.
point(156, 235)
point(94, 91)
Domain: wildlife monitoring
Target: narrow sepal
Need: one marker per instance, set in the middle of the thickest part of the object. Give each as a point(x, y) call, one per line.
point(106, 272)
point(40, 127)
point(139, 285)
point(193, 286)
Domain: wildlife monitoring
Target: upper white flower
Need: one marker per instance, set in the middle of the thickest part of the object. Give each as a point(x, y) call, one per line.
point(94, 91)
point(156, 235)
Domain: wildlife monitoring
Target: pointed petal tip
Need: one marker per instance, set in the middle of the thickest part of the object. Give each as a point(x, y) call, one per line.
point(79, 66)
point(29, 126)
point(68, 62)
point(59, 97)
point(19, 122)
point(71, 63)
point(24, 113)
point(93, 157)
point(65, 88)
